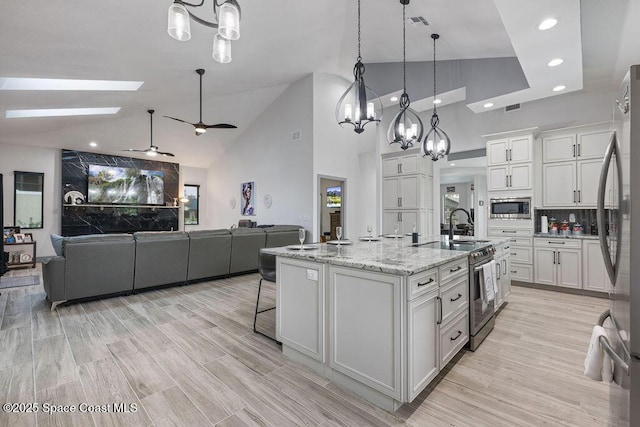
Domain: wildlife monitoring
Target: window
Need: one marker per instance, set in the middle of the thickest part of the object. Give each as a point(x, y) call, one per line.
point(27, 202)
point(191, 208)
point(450, 201)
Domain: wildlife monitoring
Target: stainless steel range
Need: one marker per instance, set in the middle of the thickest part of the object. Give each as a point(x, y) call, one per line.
point(481, 320)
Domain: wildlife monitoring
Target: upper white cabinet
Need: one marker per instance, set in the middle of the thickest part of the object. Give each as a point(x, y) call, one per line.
point(406, 163)
point(572, 161)
point(510, 177)
point(510, 150)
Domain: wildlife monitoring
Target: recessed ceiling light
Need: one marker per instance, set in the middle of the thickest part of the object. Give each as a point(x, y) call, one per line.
point(60, 112)
point(547, 23)
point(488, 105)
point(452, 164)
point(93, 144)
point(437, 101)
point(394, 98)
point(559, 88)
point(555, 62)
point(18, 83)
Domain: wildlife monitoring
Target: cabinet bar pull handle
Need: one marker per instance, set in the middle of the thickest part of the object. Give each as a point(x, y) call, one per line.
point(514, 253)
point(509, 231)
point(574, 150)
point(400, 203)
point(426, 283)
point(400, 216)
point(574, 196)
point(504, 261)
point(506, 178)
point(498, 271)
point(456, 298)
point(556, 243)
point(579, 150)
point(457, 336)
point(554, 257)
point(440, 319)
point(453, 270)
point(558, 258)
point(579, 196)
point(398, 167)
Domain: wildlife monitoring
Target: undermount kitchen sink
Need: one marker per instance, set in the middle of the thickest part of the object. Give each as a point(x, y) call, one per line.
point(463, 242)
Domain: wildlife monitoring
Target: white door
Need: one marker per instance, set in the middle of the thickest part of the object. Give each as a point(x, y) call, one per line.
point(520, 149)
point(593, 145)
point(497, 178)
point(423, 342)
point(390, 193)
point(521, 177)
point(559, 148)
point(545, 266)
point(497, 152)
point(410, 191)
point(559, 184)
point(569, 268)
point(594, 275)
point(588, 181)
point(390, 166)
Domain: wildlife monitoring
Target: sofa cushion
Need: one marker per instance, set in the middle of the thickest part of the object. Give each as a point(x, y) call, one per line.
point(150, 236)
point(56, 242)
point(207, 233)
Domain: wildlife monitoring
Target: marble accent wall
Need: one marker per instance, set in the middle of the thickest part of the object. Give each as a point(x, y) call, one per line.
point(77, 220)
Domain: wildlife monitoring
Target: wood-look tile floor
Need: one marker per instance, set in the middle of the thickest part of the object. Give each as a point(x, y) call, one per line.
point(188, 356)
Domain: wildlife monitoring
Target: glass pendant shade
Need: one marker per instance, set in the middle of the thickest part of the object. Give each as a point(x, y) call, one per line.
point(178, 25)
point(359, 105)
point(221, 49)
point(229, 21)
point(406, 128)
point(437, 143)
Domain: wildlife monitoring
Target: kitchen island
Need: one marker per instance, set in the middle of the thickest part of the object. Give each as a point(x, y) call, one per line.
point(382, 318)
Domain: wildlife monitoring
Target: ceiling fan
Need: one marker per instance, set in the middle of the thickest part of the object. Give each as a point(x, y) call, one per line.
point(152, 150)
point(200, 126)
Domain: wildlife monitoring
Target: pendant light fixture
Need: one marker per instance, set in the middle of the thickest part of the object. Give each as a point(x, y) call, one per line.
point(406, 127)
point(357, 105)
point(436, 144)
point(227, 13)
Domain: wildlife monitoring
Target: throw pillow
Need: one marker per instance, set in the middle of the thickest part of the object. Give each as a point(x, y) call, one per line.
point(56, 242)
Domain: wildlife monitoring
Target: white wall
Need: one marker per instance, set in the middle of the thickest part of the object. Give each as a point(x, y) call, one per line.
point(340, 152)
point(195, 176)
point(34, 159)
point(265, 155)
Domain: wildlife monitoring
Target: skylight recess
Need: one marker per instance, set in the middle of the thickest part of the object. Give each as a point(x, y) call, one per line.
point(19, 83)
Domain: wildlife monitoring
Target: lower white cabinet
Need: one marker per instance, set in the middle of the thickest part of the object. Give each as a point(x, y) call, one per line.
point(453, 337)
point(558, 262)
point(423, 342)
point(594, 274)
point(406, 220)
point(503, 271)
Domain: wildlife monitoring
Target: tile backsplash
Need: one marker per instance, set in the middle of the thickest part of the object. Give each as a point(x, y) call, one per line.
point(586, 217)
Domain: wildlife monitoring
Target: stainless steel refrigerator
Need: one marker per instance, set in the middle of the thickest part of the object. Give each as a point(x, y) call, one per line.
point(619, 227)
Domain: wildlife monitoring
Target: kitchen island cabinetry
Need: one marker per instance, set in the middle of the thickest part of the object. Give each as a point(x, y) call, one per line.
point(380, 318)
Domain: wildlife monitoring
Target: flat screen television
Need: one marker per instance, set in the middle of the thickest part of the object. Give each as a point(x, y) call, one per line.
point(120, 185)
point(334, 197)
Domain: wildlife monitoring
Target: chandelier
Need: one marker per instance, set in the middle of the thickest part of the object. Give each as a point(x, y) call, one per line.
point(436, 144)
point(406, 127)
point(357, 105)
point(227, 14)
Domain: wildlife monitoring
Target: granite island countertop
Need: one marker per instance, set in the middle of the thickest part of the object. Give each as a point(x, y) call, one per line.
point(388, 255)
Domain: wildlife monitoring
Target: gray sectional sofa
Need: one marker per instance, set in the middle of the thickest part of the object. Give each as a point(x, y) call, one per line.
point(108, 264)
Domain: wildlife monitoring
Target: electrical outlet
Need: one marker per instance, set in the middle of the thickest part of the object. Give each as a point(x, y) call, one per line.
point(572, 217)
point(312, 275)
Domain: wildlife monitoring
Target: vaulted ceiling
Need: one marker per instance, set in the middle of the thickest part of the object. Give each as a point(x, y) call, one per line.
point(282, 41)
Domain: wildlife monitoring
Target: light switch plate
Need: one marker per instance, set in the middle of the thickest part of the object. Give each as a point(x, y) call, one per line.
point(572, 217)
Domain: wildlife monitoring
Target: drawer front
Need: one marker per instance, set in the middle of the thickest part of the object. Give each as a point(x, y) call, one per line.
point(521, 241)
point(455, 298)
point(559, 243)
point(421, 283)
point(510, 232)
point(522, 272)
point(453, 338)
point(453, 269)
point(521, 254)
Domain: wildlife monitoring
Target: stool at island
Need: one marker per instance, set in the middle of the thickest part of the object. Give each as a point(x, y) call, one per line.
point(267, 270)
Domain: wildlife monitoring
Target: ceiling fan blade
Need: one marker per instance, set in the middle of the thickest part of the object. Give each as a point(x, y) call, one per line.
point(179, 120)
point(138, 151)
point(221, 126)
point(165, 154)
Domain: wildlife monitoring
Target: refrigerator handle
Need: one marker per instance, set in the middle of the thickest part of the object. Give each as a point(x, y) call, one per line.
point(606, 346)
point(601, 213)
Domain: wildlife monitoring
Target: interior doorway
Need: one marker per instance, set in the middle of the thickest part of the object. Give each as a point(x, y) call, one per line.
point(331, 207)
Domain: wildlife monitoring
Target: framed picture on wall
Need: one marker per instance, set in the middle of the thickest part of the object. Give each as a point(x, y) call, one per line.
point(247, 206)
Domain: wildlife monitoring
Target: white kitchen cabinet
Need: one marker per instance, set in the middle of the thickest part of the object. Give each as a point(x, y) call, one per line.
point(559, 184)
point(588, 181)
point(505, 273)
point(575, 146)
point(521, 272)
point(517, 263)
point(558, 262)
point(592, 145)
point(498, 257)
point(594, 274)
point(403, 192)
point(559, 148)
point(510, 150)
point(406, 220)
point(406, 163)
point(510, 177)
point(423, 341)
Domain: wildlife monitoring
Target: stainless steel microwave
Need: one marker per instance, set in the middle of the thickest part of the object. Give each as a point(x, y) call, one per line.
point(511, 208)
